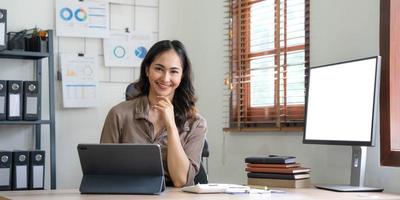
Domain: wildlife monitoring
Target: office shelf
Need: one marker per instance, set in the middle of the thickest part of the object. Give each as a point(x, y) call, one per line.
point(37, 61)
point(18, 54)
point(25, 122)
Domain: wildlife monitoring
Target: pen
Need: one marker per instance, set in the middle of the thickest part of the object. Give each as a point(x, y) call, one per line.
point(258, 187)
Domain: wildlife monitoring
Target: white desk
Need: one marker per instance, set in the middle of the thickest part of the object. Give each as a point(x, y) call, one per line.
point(176, 194)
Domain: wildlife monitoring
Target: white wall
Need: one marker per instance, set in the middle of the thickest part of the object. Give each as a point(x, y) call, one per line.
point(204, 36)
point(73, 126)
point(340, 30)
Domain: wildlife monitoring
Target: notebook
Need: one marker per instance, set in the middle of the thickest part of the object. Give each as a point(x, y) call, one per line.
point(121, 169)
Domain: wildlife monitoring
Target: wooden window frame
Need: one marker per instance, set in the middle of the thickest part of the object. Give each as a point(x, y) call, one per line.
point(390, 81)
point(270, 120)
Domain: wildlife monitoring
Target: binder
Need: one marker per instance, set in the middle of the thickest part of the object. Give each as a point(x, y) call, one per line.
point(14, 100)
point(3, 97)
point(3, 29)
point(36, 169)
point(5, 170)
point(20, 170)
point(31, 106)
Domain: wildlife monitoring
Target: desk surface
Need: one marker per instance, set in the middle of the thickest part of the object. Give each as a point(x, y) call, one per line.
point(176, 194)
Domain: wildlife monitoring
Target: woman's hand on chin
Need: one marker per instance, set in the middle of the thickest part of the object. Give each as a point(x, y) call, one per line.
point(165, 107)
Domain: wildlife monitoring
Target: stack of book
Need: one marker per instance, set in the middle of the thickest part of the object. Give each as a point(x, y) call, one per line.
point(276, 171)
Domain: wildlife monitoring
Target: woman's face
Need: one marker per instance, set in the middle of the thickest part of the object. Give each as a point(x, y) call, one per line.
point(165, 74)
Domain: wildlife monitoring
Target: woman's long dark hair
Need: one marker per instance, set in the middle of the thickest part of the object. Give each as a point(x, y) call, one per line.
point(184, 98)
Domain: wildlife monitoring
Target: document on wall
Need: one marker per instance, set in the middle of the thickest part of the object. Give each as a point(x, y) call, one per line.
point(2, 34)
point(123, 49)
point(79, 80)
point(89, 18)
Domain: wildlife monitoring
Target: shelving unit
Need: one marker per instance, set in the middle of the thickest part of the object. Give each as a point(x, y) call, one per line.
point(37, 59)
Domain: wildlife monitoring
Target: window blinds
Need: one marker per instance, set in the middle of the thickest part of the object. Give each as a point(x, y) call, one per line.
point(268, 57)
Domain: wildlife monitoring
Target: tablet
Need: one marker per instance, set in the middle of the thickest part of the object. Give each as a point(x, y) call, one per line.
point(121, 169)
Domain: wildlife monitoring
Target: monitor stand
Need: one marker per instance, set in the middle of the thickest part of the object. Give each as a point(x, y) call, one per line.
point(359, 157)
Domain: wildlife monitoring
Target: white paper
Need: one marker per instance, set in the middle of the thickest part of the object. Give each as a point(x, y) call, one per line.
point(38, 176)
point(79, 80)
point(22, 176)
point(15, 110)
point(126, 49)
point(89, 18)
point(5, 176)
point(216, 188)
point(31, 105)
point(2, 103)
point(2, 34)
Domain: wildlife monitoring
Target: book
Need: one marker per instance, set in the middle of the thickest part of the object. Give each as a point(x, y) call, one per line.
point(274, 165)
point(278, 170)
point(270, 159)
point(278, 176)
point(300, 183)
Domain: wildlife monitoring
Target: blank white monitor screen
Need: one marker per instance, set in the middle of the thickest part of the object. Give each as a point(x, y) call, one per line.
point(340, 104)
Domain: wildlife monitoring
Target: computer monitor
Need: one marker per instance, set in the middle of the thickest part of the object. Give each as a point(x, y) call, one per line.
point(341, 109)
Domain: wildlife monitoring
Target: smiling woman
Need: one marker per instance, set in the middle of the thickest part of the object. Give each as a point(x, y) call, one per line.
point(164, 75)
point(163, 112)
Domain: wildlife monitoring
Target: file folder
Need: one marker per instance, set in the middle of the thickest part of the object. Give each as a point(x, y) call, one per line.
point(20, 170)
point(36, 170)
point(5, 170)
point(3, 97)
point(31, 105)
point(3, 29)
point(14, 100)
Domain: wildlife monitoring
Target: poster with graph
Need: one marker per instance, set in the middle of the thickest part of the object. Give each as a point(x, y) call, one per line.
point(123, 49)
point(89, 18)
point(79, 80)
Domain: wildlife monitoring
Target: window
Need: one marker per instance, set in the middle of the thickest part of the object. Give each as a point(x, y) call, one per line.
point(269, 53)
point(390, 79)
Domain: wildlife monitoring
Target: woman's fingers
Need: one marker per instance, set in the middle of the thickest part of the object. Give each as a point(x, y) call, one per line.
point(157, 107)
point(165, 106)
point(163, 103)
point(164, 99)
